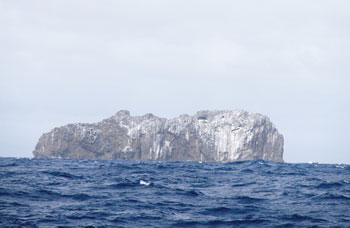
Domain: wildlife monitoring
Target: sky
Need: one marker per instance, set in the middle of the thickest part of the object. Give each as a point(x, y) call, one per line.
point(64, 61)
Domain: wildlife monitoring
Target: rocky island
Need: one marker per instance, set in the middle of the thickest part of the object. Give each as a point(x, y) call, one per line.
point(206, 136)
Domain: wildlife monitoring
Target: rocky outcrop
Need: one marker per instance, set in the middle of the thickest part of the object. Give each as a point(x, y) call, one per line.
point(206, 136)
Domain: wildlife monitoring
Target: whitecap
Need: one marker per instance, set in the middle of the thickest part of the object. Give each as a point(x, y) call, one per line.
point(145, 182)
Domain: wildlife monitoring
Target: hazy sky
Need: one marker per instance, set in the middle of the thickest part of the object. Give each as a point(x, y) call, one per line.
point(69, 61)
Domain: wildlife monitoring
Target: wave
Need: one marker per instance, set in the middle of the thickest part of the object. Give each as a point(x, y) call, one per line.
point(96, 193)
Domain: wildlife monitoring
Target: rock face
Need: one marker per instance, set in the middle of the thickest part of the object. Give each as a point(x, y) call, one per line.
point(206, 136)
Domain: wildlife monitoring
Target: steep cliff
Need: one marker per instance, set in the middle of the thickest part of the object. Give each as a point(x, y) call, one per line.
point(206, 136)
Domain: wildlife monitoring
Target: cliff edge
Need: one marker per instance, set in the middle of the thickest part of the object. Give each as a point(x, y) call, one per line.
point(206, 136)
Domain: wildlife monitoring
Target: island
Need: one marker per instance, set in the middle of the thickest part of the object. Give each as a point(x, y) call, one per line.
point(225, 136)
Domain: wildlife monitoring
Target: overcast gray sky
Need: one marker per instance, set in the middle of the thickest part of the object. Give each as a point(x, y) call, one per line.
point(69, 61)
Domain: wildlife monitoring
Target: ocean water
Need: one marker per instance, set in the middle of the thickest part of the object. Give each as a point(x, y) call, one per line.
point(98, 193)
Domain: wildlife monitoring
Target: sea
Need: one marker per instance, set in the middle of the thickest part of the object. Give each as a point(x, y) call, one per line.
point(114, 193)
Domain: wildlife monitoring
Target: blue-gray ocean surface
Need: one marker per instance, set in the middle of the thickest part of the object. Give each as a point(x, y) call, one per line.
point(98, 193)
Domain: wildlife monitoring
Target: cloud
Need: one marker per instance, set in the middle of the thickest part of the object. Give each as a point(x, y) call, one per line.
point(81, 61)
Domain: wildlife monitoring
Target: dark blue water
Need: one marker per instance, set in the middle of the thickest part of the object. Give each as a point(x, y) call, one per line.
point(89, 193)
